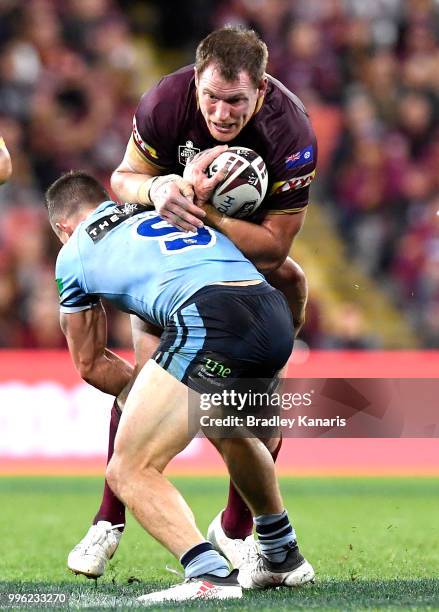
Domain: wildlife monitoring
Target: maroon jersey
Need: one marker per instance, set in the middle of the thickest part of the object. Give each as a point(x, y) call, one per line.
point(169, 129)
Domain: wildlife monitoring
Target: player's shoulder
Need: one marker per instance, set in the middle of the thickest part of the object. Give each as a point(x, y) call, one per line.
point(67, 261)
point(172, 90)
point(181, 78)
point(162, 110)
point(280, 97)
point(284, 110)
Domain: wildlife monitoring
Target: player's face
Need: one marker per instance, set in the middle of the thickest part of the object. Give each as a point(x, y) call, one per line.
point(227, 106)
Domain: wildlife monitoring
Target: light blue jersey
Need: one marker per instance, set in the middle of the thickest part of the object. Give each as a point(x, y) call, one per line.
point(142, 264)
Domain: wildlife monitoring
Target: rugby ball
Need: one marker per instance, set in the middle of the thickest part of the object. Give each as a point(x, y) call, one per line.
point(245, 184)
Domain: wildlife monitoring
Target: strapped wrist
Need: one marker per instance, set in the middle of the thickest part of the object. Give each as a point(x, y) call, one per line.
point(147, 190)
point(143, 193)
point(159, 182)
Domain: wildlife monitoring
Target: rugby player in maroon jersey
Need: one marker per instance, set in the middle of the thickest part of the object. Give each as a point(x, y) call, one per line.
point(180, 126)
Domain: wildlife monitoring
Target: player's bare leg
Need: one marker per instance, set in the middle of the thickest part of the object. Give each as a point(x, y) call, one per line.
point(279, 562)
point(155, 427)
point(241, 456)
point(152, 430)
point(231, 531)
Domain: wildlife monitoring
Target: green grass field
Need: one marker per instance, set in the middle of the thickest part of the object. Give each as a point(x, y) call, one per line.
point(374, 543)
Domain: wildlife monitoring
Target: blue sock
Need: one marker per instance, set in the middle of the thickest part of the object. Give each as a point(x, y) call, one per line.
point(203, 559)
point(276, 535)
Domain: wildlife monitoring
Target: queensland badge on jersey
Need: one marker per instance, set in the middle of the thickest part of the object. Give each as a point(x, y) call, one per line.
point(187, 152)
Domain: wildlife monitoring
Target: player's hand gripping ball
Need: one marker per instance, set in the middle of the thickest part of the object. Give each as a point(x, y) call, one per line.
point(245, 185)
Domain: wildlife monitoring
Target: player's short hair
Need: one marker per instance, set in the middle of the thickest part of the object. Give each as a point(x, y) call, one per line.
point(233, 49)
point(70, 192)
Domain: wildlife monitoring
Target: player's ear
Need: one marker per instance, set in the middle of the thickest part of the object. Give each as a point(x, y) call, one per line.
point(64, 231)
point(262, 87)
point(64, 227)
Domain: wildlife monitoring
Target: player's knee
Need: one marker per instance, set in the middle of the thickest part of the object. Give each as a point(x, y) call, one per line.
point(122, 470)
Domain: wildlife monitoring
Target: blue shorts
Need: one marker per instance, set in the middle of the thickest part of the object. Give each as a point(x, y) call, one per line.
point(224, 333)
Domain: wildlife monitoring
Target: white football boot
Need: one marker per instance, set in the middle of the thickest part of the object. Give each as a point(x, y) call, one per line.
point(201, 588)
point(295, 571)
point(238, 552)
point(96, 548)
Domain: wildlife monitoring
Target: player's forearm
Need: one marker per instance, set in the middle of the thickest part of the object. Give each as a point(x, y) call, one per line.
point(108, 372)
point(291, 280)
point(5, 162)
point(130, 186)
point(255, 241)
point(297, 301)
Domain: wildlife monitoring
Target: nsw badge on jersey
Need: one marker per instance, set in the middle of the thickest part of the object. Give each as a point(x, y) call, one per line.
point(187, 152)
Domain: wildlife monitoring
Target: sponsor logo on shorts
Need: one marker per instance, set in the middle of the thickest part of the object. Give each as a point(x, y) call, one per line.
point(187, 152)
point(215, 368)
point(300, 158)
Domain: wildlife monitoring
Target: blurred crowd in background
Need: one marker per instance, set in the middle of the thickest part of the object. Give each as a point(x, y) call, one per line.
point(72, 72)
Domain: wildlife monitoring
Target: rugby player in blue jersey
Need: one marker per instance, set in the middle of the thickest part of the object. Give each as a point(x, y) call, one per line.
point(226, 98)
point(212, 303)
